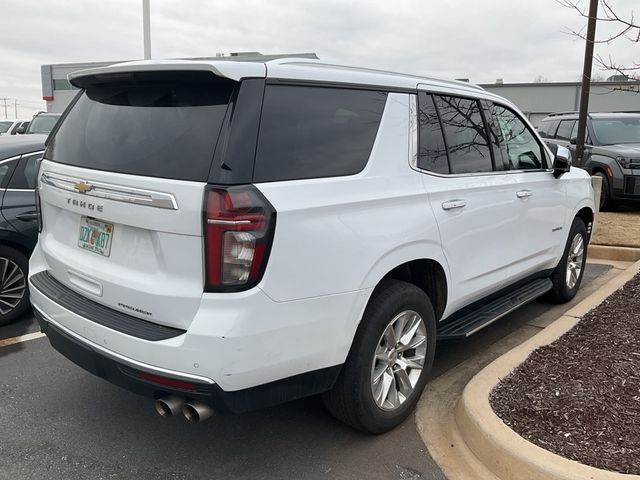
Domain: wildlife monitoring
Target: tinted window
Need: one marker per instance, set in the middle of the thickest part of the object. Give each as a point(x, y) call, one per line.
point(465, 135)
point(5, 171)
point(155, 124)
point(548, 128)
point(42, 124)
point(610, 131)
point(4, 126)
point(523, 151)
point(564, 129)
point(432, 151)
point(25, 175)
point(309, 132)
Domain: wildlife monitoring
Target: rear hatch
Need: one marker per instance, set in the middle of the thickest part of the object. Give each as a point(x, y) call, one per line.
point(121, 191)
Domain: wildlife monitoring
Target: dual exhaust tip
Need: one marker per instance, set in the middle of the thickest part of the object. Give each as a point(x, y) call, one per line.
point(193, 411)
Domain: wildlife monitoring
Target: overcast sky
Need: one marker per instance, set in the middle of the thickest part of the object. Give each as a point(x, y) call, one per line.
point(516, 40)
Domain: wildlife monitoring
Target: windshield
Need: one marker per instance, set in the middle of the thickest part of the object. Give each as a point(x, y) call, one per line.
point(4, 126)
point(42, 124)
point(611, 131)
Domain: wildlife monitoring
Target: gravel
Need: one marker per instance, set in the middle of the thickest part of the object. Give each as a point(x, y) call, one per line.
point(579, 397)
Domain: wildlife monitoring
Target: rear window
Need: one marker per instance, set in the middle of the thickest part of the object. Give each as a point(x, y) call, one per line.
point(311, 132)
point(158, 124)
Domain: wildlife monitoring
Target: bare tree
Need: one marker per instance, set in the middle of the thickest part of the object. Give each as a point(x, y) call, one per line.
point(540, 79)
point(626, 29)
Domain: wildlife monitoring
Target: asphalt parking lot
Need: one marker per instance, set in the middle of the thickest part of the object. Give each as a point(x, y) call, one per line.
point(59, 422)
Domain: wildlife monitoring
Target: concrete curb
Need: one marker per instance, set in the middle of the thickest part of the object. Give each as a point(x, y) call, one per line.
point(621, 254)
point(498, 448)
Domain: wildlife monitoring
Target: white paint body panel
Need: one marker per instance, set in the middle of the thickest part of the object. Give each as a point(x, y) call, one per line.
point(335, 239)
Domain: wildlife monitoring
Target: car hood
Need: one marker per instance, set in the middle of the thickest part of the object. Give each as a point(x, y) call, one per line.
point(629, 150)
point(12, 145)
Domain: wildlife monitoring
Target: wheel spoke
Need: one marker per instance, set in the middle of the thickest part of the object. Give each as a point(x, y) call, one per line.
point(415, 362)
point(392, 397)
point(387, 380)
point(404, 383)
point(390, 336)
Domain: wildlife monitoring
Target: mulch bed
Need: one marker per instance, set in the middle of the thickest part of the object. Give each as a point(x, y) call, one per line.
point(579, 397)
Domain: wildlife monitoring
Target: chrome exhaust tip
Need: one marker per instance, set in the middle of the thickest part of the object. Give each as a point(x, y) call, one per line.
point(196, 412)
point(169, 405)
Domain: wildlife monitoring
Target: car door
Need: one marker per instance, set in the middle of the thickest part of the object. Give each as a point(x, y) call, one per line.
point(19, 202)
point(470, 195)
point(540, 197)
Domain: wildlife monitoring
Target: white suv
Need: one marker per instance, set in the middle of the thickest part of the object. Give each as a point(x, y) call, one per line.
point(225, 235)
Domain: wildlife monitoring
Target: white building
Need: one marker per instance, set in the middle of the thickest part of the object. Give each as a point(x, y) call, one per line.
point(537, 100)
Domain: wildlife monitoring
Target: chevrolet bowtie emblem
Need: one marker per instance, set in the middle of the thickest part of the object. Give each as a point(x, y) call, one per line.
point(83, 187)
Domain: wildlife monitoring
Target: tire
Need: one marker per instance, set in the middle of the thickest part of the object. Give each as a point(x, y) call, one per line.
point(352, 398)
point(13, 282)
point(565, 286)
point(605, 195)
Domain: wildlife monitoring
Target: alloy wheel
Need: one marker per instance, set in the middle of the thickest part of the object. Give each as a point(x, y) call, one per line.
point(574, 261)
point(398, 360)
point(12, 285)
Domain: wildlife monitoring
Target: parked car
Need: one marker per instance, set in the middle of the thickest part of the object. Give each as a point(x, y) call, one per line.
point(339, 222)
point(612, 150)
point(18, 220)
point(11, 127)
point(41, 124)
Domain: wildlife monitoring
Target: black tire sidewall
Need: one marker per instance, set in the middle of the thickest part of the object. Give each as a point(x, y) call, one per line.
point(399, 296)
point(561, 289)
point(21, 260)
point(605, 195)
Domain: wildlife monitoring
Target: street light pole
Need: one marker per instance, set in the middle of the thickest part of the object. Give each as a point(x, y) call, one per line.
point(586, 80)
point(146, 27)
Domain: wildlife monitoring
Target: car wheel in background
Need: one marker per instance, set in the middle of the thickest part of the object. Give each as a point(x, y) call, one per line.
point(389, 361)
point(605, 193)
point(14, 293)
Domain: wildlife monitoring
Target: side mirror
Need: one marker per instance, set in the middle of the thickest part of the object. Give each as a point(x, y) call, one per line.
point(561, 162)
point(573, 140)
point(21, 129)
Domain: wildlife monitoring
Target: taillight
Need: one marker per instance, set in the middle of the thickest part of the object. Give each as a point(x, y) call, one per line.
point(238, 229)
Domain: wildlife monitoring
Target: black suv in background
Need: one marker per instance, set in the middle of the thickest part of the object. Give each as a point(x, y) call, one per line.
point(19, 157)
point(612, 150)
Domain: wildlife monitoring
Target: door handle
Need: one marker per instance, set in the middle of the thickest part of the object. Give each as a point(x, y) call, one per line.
point(27, 217)
point(453, 204)
point(524, 193)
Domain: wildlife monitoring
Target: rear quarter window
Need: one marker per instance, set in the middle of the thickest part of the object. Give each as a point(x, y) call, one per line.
point(312, 132)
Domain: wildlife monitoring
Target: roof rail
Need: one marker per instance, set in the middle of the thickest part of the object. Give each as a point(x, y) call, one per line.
point(562, 113)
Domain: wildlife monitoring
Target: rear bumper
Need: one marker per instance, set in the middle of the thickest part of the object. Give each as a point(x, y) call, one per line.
point(129, 376)
point(236, 342)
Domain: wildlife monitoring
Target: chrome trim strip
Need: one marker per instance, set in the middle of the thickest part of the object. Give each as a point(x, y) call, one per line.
point(413, 131)
point(213, 221)
point(109, 191)
point(121, 358)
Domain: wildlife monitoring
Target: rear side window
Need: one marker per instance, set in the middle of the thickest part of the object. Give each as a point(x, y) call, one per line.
point(432, 151)
point(548, 128)
point(158, 124)
point(564, 129)
point(312, 132)
point(465, 134)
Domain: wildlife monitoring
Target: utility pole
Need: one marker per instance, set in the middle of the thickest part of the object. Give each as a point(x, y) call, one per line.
point(15, 107)
point(5, 106)
point(586, 80)
point(146, 27)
